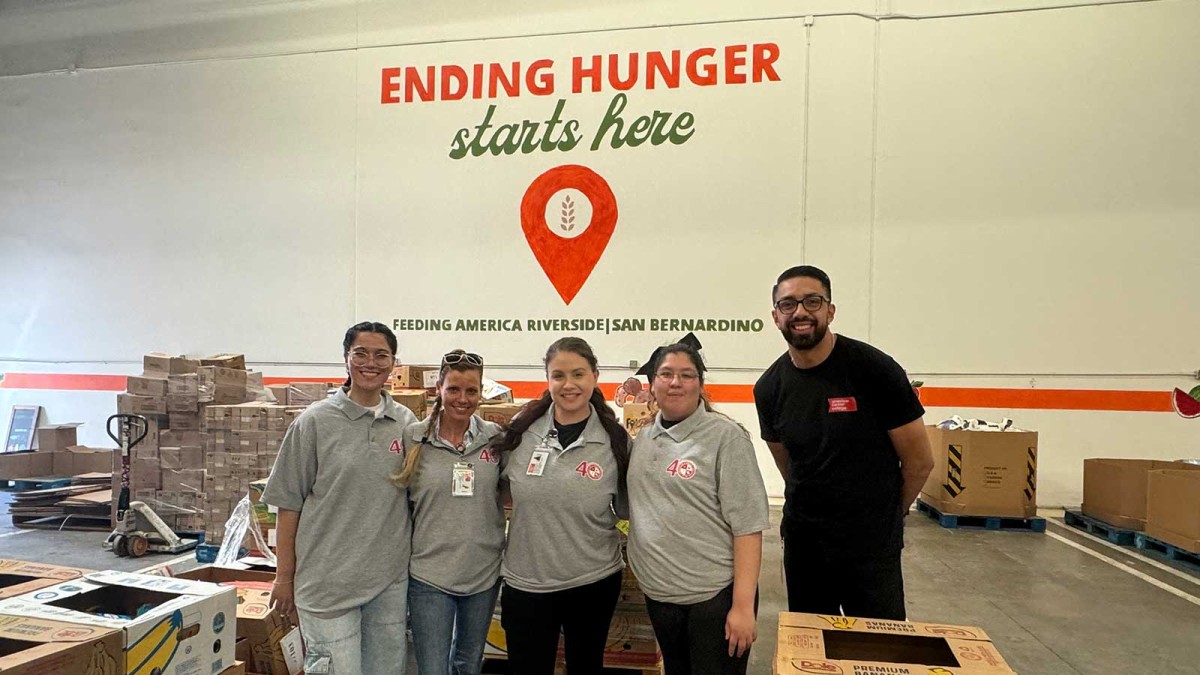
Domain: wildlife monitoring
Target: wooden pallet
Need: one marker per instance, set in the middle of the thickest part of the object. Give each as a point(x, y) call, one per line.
point(1172, 552)
point(952, 521)
point(1099, 528)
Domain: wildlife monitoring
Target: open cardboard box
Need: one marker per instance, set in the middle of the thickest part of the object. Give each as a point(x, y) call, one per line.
point(273, 642)
point(812, 643)
point(983, 473)
point(18, 577)
point(169, 625)
point(33, 646)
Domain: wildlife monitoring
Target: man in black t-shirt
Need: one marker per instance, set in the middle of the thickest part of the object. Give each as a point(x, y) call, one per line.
point(847, 433)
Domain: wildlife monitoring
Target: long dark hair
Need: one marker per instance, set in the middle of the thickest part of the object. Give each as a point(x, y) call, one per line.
point(366, 327)
point(618, 438)
point(413, 455)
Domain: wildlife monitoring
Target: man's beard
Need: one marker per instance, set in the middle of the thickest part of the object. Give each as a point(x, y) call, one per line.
point(804, 342)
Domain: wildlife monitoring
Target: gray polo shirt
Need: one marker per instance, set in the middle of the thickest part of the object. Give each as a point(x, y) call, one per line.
point(354, 534)
point(563, 532)
point(692, 489)
point(457, 540)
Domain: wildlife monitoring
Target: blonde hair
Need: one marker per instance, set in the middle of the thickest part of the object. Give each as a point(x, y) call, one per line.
point(412, 456)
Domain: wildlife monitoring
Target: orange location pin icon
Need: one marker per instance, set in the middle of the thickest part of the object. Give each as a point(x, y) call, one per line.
point(565, 242)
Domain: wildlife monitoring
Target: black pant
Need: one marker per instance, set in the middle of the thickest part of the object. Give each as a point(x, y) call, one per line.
point(692, 637)
point(824, 580)
point(532, 622)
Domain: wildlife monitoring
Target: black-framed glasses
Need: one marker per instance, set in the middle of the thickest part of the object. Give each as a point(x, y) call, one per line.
point(458, 357)
point(811, 303)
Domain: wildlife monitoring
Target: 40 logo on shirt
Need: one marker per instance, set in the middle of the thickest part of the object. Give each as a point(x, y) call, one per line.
point(590, 470)
point(490, 456)
point(682, 468)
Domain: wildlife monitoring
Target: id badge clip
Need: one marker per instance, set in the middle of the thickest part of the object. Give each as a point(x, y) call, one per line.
point(463, 480)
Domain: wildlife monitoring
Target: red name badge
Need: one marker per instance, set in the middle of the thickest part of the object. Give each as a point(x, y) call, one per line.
point(846, 404)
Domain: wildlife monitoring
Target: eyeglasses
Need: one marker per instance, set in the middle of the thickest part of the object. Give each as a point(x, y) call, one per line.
point(361, 357)
point(685, 376)
point(811, 303)
point(458, 357)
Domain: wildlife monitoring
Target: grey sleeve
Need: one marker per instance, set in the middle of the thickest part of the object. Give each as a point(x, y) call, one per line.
point(740, 485)
point(295, 468)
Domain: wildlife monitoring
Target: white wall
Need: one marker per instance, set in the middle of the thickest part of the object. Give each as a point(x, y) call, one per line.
point(1002, 200)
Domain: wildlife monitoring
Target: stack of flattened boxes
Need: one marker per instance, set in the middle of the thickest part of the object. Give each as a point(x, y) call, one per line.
point(242, 443)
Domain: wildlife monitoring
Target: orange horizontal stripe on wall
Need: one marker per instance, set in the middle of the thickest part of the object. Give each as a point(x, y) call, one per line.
point(934, 397)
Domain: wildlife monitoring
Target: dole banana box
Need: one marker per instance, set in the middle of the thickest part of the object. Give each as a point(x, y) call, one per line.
point(840, 645)
point(18, 577)
point(30, 646)
point(170, 626)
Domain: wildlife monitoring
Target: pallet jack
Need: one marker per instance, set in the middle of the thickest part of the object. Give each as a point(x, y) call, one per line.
point(139, 530)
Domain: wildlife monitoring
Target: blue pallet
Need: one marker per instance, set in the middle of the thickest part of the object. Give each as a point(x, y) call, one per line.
point(27, 484)
point(1099, 528)
point(1172, 552)
point(207, 553)
point(984, 522)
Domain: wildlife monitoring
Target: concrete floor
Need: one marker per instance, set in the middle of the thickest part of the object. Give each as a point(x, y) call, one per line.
point(1060, 602)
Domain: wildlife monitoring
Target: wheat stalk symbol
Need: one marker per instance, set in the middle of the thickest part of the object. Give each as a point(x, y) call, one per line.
point(568, 214)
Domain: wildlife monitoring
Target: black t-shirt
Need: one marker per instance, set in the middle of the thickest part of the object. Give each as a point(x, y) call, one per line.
point(844, 483)
point(568, 433)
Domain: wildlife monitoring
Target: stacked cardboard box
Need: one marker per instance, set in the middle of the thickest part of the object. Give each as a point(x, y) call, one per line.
point(242, 442)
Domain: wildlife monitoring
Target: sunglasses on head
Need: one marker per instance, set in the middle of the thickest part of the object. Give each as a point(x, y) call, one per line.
point(459, 357)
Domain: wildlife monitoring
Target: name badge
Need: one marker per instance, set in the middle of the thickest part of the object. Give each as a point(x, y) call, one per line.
point(463, 480)
point(537, 463)
point(845, 404)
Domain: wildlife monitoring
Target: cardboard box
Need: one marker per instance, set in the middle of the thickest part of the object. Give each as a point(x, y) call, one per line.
point(307, 393)
point(499, 413)
point(184, 421)
point(225, 360)
point(411, 377)
point(73, 461)
point(184, 626)
point(983, 473)
point(1115, 490)
point(810, 643)
point(1173, 508)
point(141, 405)
point(57, 436)
point(221, 386)
point(146, 386)
point(238, 668)
point(32, 646)
point(280, 391)
point(18, 577)
point(264, 629)
point(413, 399)
point(157, 364)
point(633, 414)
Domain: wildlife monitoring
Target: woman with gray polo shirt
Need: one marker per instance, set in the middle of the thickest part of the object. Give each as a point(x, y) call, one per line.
point(565, 456)
point(330, 484)
point(698, 508)
point(453, 480)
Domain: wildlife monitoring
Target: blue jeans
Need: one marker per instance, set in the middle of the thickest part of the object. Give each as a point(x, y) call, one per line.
point(449, 631)
point(367, 640)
